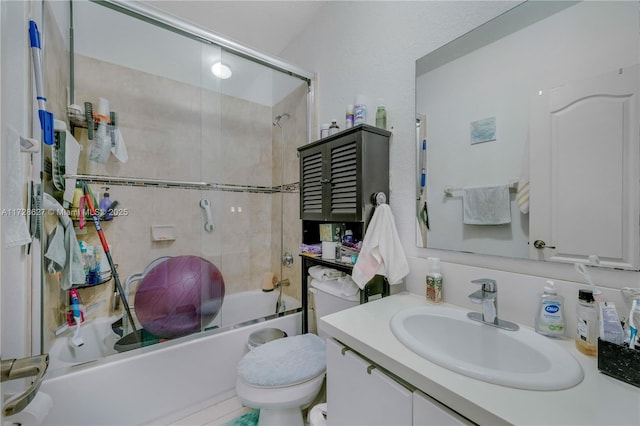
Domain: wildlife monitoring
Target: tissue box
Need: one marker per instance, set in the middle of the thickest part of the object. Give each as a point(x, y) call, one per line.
point(329, 231)
point(619, 362)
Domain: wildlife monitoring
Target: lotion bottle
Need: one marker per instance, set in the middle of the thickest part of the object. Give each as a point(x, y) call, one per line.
point(434, 281)
point(550, 319)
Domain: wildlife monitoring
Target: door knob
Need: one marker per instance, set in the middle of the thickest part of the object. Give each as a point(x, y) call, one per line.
point(539, 244)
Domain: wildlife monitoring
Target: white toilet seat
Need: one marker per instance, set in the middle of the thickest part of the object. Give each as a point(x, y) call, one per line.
point(284, 362)
point(282, 377)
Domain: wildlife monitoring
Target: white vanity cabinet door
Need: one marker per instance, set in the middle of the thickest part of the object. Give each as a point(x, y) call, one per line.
point(356, 396)
point(429, 412)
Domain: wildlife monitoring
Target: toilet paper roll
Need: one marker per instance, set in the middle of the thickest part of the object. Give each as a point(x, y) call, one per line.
point(34, 413)
point(329, 250)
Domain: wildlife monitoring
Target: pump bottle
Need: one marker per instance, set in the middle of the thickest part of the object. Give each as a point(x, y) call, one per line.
point(434, 280)
point(550, 319)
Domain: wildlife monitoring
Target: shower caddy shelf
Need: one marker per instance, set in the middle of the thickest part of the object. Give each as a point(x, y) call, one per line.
point(341, 177)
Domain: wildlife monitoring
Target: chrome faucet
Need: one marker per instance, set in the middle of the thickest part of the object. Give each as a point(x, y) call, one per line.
point(487, 296)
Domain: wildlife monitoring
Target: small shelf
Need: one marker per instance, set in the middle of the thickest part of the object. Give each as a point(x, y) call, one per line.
point(345, 267)
point(104, 281)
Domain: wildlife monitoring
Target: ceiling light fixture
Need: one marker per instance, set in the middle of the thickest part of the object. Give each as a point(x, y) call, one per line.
point(220, 70)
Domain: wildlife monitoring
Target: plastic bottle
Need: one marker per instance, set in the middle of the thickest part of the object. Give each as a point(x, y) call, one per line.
point(360, 111)
point(434, 280)
point(550, 318)
point(587, 319)
point(334, 128)
point(104, 205)
point(83, 254)
point(92, 266)
point(381, 116)
point(348, 123)
point(324, 130)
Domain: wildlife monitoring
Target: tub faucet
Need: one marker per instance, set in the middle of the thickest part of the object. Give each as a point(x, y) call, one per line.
point(487, 296)
point(282, 283)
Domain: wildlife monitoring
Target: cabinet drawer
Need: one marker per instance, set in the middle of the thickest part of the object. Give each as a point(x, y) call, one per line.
point(358, 393)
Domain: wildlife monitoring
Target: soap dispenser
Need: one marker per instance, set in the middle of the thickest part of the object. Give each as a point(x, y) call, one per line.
point(104, 205)
point(550, 315)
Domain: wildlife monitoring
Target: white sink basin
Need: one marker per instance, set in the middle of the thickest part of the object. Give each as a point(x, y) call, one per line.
point(521, 359)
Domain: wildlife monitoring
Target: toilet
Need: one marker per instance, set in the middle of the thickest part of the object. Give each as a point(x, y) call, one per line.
point(284, 376)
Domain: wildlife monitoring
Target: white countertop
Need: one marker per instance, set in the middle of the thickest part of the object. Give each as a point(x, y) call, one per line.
point(597, 400)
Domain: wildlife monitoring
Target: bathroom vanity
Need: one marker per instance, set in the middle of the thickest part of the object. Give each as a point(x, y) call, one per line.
point(364, 356)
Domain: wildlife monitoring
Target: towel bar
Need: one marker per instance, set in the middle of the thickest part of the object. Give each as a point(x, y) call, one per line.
point(450, 189)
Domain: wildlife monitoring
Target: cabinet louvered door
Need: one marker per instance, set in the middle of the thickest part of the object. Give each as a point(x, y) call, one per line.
point(311, 184)
point(343, 198)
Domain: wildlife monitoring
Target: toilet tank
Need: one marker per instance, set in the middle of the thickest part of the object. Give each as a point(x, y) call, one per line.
point(329, 297)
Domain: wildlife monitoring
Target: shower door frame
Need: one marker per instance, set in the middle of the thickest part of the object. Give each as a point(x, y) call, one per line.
point(156, 17)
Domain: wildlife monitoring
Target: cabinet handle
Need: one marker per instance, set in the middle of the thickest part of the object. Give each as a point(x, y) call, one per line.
point(370, 368)
point(325, 180)
point(344, 351)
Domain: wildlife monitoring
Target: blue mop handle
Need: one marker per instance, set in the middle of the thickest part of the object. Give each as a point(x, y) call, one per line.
point(46, 118)
point(34, 38)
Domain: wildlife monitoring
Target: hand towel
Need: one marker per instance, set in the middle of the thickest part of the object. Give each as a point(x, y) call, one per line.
point(14, 224)
point(382, 252)
point(488, 205)
point(63, 252)
point(322, 273)
point(522, 196)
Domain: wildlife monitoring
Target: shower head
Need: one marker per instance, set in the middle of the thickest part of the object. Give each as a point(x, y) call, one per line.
point(276, 121)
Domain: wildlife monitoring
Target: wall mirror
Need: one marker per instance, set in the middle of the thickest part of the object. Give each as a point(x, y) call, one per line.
point(527, 136)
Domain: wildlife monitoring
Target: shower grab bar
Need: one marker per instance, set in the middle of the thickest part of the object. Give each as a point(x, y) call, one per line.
point(159, 183)
point(206, 206)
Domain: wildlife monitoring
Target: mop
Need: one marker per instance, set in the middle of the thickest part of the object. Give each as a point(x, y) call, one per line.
point(107, 253)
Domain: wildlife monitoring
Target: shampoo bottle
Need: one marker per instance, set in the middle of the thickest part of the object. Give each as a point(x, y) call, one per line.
point(381, 116)
point(550, 318)
point(360, 111)
point(104, 205)
point(434, 281)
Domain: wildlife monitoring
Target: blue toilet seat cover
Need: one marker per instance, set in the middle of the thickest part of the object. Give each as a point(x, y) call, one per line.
point(284, 362)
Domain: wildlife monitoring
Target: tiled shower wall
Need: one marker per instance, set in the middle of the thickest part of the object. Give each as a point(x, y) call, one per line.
point(175, 131)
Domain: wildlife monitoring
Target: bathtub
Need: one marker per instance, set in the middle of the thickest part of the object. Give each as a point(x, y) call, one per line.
point(165, 382)
point(239, 308)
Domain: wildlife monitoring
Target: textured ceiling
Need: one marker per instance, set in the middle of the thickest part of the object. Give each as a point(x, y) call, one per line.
point(266, 26)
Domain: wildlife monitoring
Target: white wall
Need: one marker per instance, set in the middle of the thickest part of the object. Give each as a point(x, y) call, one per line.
point(15, 287)
point(371, 48)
